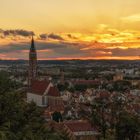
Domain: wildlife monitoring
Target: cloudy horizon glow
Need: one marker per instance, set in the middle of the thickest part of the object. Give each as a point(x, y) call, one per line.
point(69, 29)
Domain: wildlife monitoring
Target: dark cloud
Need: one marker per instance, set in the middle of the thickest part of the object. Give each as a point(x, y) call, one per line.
point(24, 33)
point(57, 49)
point(43, 36)
point(64, 49)
point(51, 36)
point(126, 52)
point(71, 36)
point(55, 36)
point(13, 47)
point(61, 48)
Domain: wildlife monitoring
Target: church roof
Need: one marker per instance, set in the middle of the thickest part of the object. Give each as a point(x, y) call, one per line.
point(54, 92)
point(39, 87)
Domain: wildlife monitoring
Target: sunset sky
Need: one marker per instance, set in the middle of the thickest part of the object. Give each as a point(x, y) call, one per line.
point(70, 29)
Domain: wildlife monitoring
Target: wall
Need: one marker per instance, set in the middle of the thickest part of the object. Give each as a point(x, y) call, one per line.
point(35, 98)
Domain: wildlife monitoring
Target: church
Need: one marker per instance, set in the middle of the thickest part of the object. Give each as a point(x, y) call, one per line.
point(42, 92)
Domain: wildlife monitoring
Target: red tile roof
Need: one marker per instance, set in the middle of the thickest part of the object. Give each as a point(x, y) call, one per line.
point(77, 126)
point(54, 92)
point(39, 87)
point(52, 108)
point(104, 94)
point(47, 115)
point(135, 107)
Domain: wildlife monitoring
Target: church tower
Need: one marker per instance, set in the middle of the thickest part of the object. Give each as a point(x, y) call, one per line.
point(32, 62)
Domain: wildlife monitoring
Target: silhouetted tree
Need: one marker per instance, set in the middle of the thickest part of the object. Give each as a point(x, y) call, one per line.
point(57, 116)
point(128, 127)
point(19, 120)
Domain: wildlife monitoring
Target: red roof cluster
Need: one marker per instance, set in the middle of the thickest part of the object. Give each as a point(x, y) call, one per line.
point(135, 107)
point(104, 94)
point(54, 92)
point(77, 126)
point(39, 87)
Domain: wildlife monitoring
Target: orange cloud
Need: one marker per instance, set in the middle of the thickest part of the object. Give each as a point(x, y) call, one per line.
point(96, 58)
point(100, 53)
point(39, 51)
point(109, 43)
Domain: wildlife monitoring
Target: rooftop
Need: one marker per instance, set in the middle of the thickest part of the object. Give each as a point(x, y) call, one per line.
point(77, 126)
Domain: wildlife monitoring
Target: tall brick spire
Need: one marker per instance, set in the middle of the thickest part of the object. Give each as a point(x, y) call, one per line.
point(32, 62)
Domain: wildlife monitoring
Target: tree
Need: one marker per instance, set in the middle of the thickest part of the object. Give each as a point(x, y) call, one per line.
point(128, 127)
point(80, 87)
point(98, 118)
point(19, 120)
point(6, 84)
point(57, 116)
point(121, 85)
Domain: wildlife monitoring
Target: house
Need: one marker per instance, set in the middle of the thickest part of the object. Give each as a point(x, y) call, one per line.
point(87, 82)
point(66, 95)
point(44, 93)
point(80, 130)
point(118, 76)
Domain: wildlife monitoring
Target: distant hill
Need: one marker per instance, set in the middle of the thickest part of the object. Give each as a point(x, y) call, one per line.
point(66, 62)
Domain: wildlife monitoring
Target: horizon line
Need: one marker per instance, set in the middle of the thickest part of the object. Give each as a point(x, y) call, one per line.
point(69, 59)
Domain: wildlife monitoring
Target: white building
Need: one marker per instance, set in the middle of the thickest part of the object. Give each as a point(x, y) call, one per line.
point(43, 93)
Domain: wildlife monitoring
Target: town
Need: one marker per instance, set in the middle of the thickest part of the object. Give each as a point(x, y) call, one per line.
point(81, 100)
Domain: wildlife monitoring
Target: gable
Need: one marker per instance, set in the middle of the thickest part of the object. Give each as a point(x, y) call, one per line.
point(38, 87)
